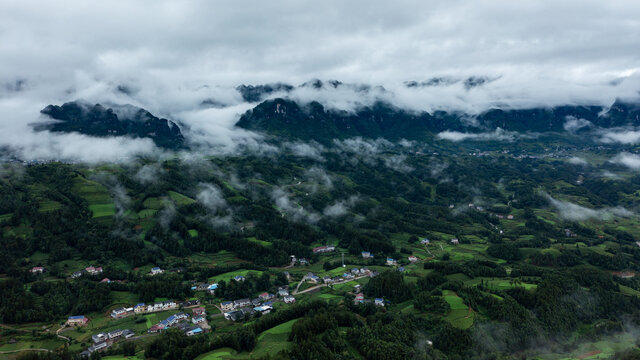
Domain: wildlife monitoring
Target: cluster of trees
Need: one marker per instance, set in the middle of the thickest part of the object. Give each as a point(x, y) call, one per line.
point(46, 301)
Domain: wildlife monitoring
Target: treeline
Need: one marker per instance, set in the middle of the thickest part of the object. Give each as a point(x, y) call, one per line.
point(46, 301)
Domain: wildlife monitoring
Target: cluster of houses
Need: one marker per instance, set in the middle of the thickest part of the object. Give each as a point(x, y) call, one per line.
point(90, 270)
point(180, 321)
point(143, 308)
point(323, 249)
point(301, 261)
point(102, 341)
point(359, 299)
point(350, 275)
point(210, 288)
point(245, 308)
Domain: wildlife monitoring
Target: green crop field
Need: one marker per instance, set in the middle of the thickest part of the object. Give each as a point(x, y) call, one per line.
point(230, 275)
point(180, 199)
point(273, 340)
point(219, 354)
point(260, 242)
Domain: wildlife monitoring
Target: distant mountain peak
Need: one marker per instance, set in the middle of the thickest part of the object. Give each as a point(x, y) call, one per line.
point(112, 120)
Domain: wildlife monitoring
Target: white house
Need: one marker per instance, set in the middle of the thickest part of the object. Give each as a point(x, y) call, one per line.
point(156, 270)
point(289, 299)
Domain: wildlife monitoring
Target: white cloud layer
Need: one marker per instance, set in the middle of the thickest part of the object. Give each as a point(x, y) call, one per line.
point(182, 60)
point(574, 212)
point(496, 135)
point(632, 161)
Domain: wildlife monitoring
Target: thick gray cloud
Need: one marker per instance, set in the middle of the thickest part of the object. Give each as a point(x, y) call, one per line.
point(169, 57)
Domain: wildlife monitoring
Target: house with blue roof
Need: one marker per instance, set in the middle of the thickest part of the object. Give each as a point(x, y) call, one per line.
point(77, 320)
point(193, 332)
point(379, 302)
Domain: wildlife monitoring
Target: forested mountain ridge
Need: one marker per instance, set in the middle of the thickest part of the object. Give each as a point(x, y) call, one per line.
point(313, 121)
point(117, 120)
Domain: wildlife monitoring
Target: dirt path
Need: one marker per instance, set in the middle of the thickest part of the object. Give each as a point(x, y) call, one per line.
point(469, 313)
point(313, 288)
point(60, 336)
point(20, 350)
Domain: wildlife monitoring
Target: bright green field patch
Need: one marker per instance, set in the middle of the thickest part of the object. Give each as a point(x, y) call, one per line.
point(455, 302)
point(180, 199)
point(284, 328)
point(219, 354)
point(120, 357)
point(273, 340)
point(230, 275)
point(103, 210)
point(260, 242)
point(461, 318)
point(193, 233)
point(329, 297)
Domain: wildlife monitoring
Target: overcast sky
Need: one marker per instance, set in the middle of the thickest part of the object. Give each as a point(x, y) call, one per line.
point(172, 55)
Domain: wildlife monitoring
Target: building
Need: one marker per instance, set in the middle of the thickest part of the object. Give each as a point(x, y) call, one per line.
point(156, 328)
point(193, 332)
point(114, 334)
point(266, 296)
point(37, 270)
point(283, 292)
point(366, 255)
point(119, 313)
point(379, 302)
point(303, 261)
point(212, 288)
point(140, 308)
point(76, 274)
point(198, 319)
point(98, 347)
point(239, 278)
point(226, 306)
point(455, 241)
point(264, 309)
point(97, 338)
point(510, 217)
point(234, 315)
point(93, 270)
point(359, 298)
point(425, 241)
point(413, 258)
point(241, 303)
point(156, 270)
point(128, 334)
point(105, 280)
point(391, 262)
point(199, 311)
point(323, 249)
point(289, 299)
point(311, 277)
point(77, 320)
